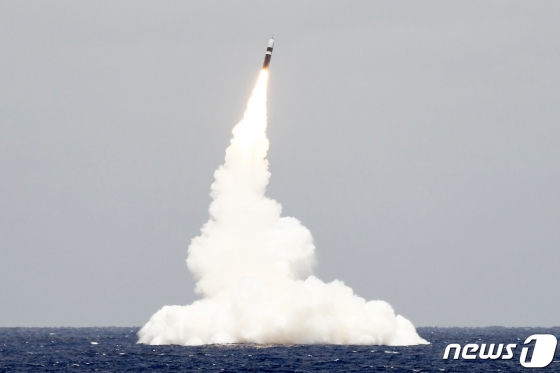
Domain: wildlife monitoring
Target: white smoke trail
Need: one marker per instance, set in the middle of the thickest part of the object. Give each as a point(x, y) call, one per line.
point(253, 267)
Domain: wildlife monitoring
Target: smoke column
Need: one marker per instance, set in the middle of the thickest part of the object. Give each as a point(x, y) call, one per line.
point(253, 267)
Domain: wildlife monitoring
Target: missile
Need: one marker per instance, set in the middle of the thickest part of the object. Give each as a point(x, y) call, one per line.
point(268, 54)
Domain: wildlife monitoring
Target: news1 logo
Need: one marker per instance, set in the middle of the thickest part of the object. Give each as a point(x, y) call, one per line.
point(543, 351)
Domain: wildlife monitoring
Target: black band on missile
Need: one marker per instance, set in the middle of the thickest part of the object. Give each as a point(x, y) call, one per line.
point(269, 49)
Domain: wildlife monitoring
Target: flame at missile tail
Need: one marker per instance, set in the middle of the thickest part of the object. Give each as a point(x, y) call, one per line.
point(252, 267)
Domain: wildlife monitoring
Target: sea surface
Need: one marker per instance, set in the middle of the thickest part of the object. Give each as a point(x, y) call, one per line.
point(115, 350)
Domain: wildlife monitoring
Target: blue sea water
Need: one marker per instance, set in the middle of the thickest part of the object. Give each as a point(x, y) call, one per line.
point(115, 350)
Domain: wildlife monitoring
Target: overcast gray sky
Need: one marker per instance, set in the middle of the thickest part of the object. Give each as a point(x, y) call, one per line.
point(418, 141)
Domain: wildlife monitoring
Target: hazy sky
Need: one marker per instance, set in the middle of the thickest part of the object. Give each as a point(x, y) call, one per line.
point(418, 141)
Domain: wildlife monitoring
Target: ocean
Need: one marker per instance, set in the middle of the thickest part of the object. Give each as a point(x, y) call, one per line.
point(115, 350)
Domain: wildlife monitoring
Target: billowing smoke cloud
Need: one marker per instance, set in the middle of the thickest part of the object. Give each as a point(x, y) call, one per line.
point(253, 267)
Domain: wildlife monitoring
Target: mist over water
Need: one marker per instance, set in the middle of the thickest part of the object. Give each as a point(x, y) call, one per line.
point(253, 267)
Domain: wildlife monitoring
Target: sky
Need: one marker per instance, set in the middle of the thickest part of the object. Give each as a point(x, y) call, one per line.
point(418, 141)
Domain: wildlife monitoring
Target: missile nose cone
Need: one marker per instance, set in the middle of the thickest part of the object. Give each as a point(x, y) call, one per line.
point(268, 54)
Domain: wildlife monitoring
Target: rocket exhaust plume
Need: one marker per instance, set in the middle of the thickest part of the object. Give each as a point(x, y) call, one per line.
point(253, 267)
